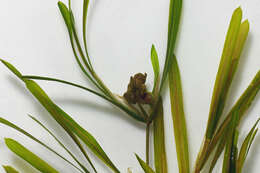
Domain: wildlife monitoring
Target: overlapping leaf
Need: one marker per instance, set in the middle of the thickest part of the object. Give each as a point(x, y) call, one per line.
point(68, 124)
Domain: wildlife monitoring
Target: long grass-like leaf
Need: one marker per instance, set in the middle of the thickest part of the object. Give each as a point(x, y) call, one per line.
point(229, 144)
point(245, 147)
point(235, 39)
point(64, 119)
point(120, 106)
point(84, 24)
point(219, 150)
point(69, 24)
point(223, 81)
point(242, 104)
point(69, 21)
point(179, 122)
point(160, 158)
point(9, 124)
point(60, 143)
point(9, 169)
point(68, 83)
point(146, 168)
point(156, 69)
point(29, 157)
point(173, 27)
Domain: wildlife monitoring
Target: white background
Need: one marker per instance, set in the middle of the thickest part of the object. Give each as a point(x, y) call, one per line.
point(120, 33)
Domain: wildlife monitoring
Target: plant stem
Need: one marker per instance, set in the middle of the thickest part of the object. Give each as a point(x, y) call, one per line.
point(147, 142)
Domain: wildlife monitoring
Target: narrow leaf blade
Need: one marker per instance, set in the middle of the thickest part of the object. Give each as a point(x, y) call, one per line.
point(223, 81)
point(145, 167)
point(156, 68)
point(9, 169)
point(160, 158)
point(179, 122)
point(29, 157)
point(173, 27)
point(246, 146)
point(9, 124)
point(66, 121)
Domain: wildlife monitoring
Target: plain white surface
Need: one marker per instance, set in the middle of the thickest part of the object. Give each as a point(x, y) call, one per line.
point(120, 33)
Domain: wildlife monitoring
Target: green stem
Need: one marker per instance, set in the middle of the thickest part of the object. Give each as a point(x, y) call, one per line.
point(147, 142)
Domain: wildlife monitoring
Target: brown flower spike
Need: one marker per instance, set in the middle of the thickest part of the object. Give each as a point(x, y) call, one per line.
point(136, 90)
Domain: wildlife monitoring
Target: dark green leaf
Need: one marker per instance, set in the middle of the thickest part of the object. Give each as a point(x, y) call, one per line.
point(229, 143)
point(245, 147)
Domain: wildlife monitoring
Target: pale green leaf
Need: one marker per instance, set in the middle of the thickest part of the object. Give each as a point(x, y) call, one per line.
point(156, 68)
point(178, 117)
point(9, 124)
point(160, 158)
point(29, 157)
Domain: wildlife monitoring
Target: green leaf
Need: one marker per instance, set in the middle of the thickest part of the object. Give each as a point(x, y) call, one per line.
point(68, 124)
point(28, 156)
point(156, 68)
point(242, 104)
point(69, 24)
point(219, 150)
point(120, 106)
point(160, 159)
point(234, 44)
point(9, 169)
point(245, 147)
point(68, 83)
point(66, 16)
point(84, 24)
point(65, 120)
point(61, 144)
point(223, 79)
point(12, 68)
point(146, 168)
point(9, 124)
point(233, 156)
point(229, 144)
point(173, 27)
point(179, 122)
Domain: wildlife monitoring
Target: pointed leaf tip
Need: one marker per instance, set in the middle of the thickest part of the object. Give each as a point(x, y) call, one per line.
point(12, 68)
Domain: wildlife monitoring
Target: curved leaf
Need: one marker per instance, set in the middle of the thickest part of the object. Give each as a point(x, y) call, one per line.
point(246, 146)
point(28, 156)
point(9, 124)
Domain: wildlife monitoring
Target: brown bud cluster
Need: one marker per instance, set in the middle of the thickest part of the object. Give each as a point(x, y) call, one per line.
point(136, 90)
